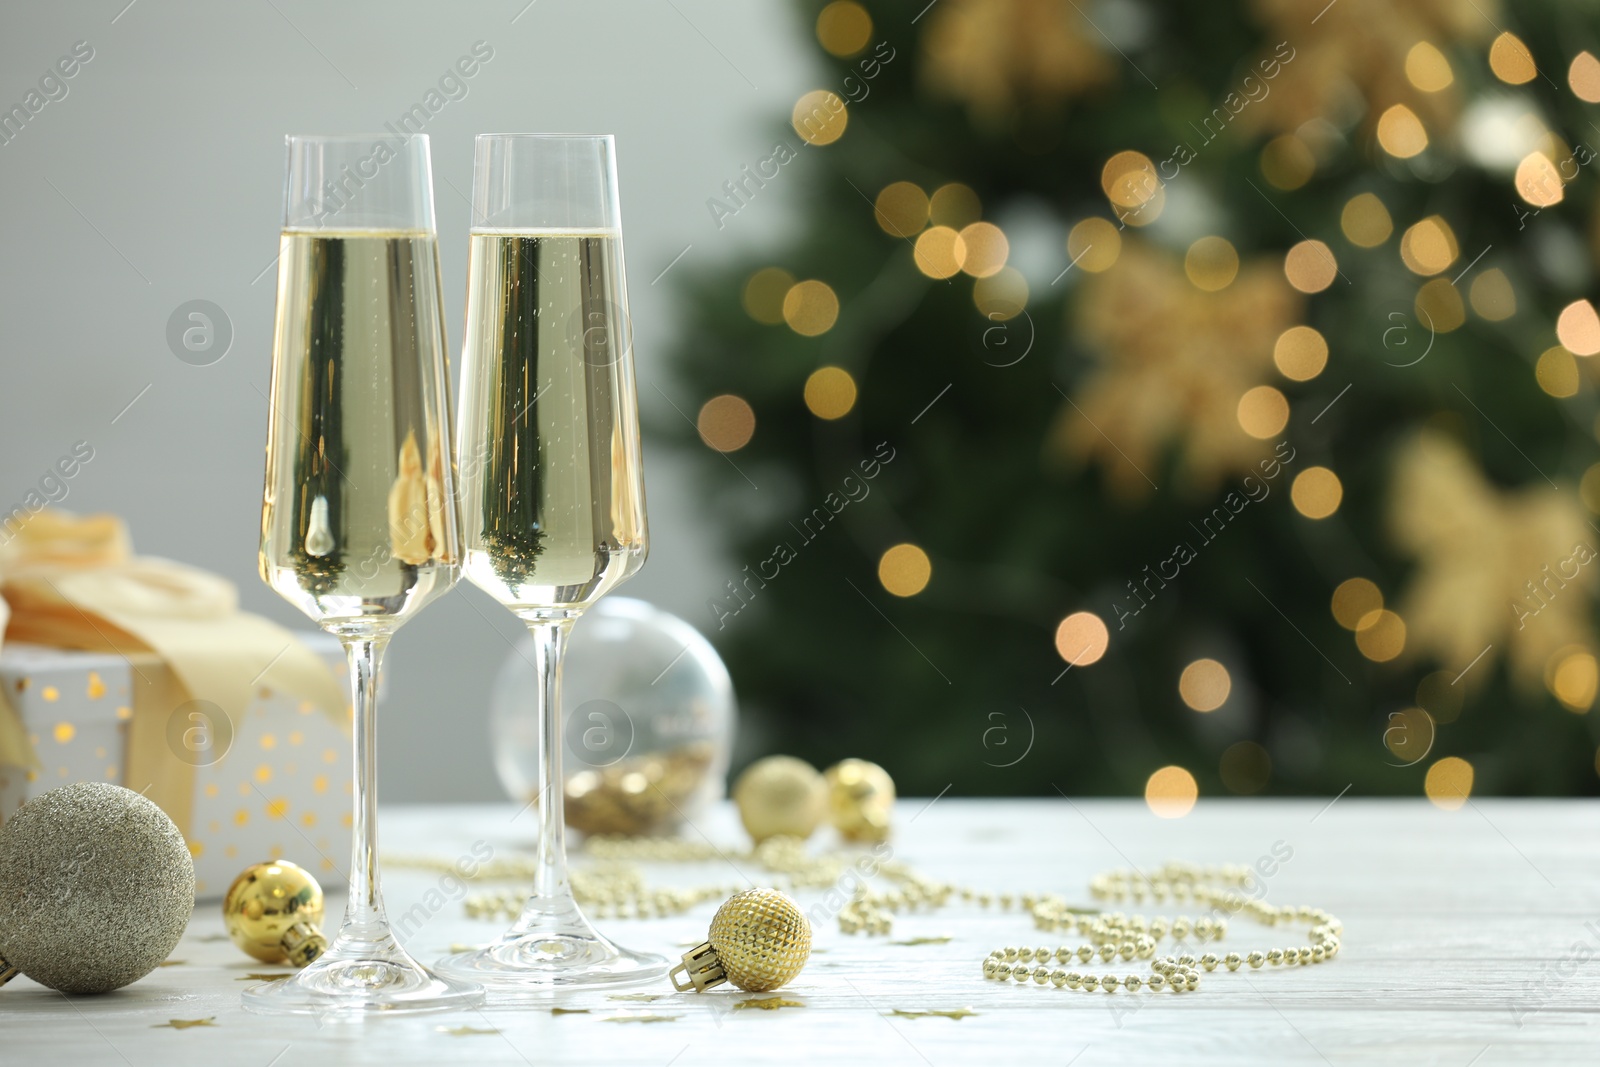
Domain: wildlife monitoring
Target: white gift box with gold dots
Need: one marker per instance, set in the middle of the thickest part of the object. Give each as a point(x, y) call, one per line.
point(278, 786)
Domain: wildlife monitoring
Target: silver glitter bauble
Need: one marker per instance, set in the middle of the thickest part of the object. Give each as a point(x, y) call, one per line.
point(96, 888)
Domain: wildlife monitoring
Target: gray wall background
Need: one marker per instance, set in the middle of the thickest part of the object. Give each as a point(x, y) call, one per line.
point(157, 179)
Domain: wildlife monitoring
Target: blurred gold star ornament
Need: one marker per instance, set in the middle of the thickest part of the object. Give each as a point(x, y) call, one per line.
point(273, 911)
point(781, 795)
point(860, 800)
point(760, 940)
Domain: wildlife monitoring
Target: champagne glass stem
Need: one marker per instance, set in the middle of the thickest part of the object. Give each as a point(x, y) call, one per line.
point(363, 914)
point(549, 646)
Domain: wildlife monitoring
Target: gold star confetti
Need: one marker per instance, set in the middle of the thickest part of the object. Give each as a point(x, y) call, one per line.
point(264, 976)
point(636, 996)
point(937, 939)
point(172, 963)
point(951, 1013)
point(462, 946)
point(769, 1003)
point(630, 1017)
point(463, 1031)
point(211, 937)
point(185, 1024)
point(569, 1011)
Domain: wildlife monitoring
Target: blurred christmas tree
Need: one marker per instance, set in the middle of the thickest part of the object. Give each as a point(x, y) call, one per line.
point(1198, 394)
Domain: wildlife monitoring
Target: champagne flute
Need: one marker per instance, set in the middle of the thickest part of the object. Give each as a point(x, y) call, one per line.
point(552, 488)
point(358, 520)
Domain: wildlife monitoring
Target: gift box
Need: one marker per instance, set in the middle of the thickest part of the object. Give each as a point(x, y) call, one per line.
point(271, 780)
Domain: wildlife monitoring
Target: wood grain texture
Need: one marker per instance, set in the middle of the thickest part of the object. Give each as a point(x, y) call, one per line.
point(1471, 938)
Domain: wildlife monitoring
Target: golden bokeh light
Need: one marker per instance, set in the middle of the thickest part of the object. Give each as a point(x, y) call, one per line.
point(939, 252)
point(1287, 163)
point(1094, 244)
point(1557, 372)
point(1439, 305)
point(1245, 768)
point(1365, 221)
point(1145, 213)
point(1310, 266)
point(1427, 68)
point(986, 249)
point(1129, 179)
point(830, 393)
point(1583, 77)
point(1578, 328)
point(1171, 792)
point(820, 117)
point(1001, 295)
point(1492, 297)
point(1449, 783)
point(726, 422)
point(1355, 599)
point(1211, 263)
point(1381, 636)
point(1511, 61)
point(1401, 133)
point(1263, 412)
point(904, 570)
point(844, 28)
point(1537, 181)
point(764, 293)
point(1204, 685)
point(901, 209)
point(1409, 734)
point(1316, 492)
point(954, 205)
point(1429, 246)
point(1440, 696)
point(810, 308)
point(1300, 353)
point(1572, 676)
point(1082, 638)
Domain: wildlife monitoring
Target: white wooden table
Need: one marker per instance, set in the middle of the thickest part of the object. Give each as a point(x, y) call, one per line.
point(1471, 938)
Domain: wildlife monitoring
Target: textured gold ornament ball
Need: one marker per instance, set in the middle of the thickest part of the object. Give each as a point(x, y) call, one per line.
point(860, 800)
point(781, 795)
point(273, 911)
point(762, 939)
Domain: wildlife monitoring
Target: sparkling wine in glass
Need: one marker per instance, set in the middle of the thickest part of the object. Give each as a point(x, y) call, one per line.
point(358, 520)
point(552, 490)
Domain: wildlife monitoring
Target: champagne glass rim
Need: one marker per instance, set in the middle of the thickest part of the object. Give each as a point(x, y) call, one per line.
point(349, 138)
point(546, 136)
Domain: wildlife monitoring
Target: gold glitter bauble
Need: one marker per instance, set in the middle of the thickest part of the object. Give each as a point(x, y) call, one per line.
point(781, 795)
point(860, 800)
point(759, 941)
point(273, 911)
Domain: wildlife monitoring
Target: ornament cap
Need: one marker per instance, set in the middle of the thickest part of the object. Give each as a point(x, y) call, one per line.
point(702, 967)
point(302, 943)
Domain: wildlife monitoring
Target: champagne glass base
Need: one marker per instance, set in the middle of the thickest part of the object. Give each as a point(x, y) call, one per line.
point(363, 978)
point(552, 947)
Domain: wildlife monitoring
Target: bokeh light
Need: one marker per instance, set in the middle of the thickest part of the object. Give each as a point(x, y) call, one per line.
point(1263, 412)
point(810, 308)
point(1511, 61)
point(1171, 792)
point(904, 570)
point(1572, 676)
point(820, 117)
point(1429, 246)
point(901, 209)
point(1583, 77)
point(1316, 492)
point(1537, 181)
point(1001, 295)
point(1204, 685)
point(939, 252)
point(986, 249)
point(1094, 244)
point(1245, 768)
point(1409, 734)
point(764, 293)
point(1082, 638)
point(1381, 636)
point(1287, 162)
point(1449, 783)
point(1441, 696)
point(1439, 305)
point(1365, 221)
point(1578, 328)
point(726, 422)
point(1427, 68)
point(830, 393)
point(1492, 297)
point(1300, 353)
point(1310, 266)
point(1211, 263)
point(1354, 600)
point(1557, 372)
point(1401, 133)
point(844, 28)
point(1129, 179)
point(954, 205)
